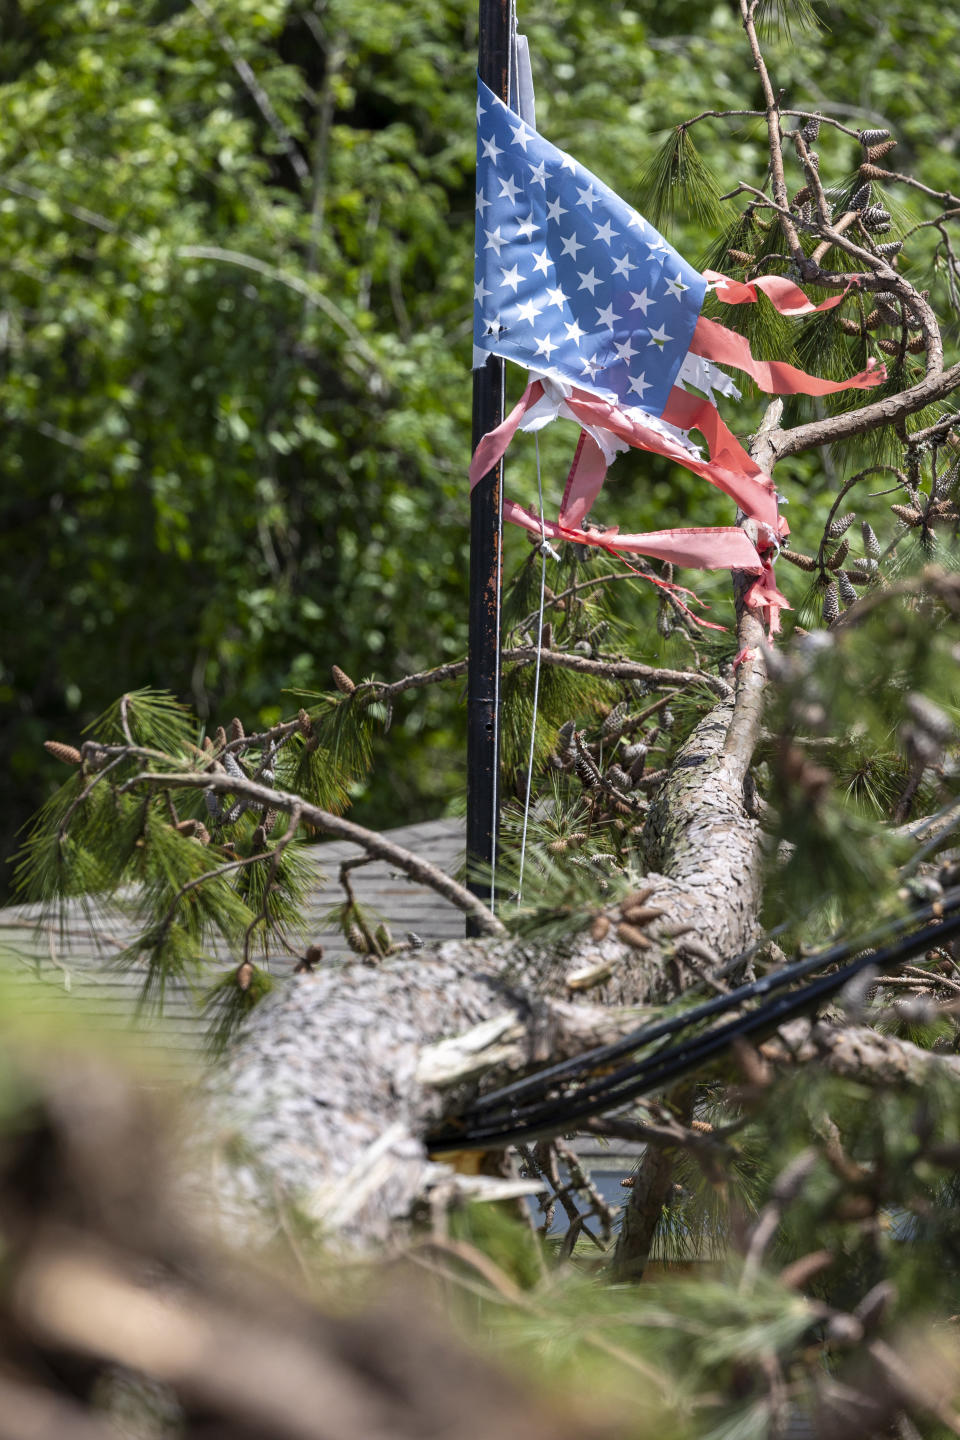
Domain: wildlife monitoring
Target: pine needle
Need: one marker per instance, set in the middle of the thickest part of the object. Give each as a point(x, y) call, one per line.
point(677, 184)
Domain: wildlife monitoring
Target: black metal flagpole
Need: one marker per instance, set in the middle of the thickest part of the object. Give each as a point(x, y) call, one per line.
point(486, 522)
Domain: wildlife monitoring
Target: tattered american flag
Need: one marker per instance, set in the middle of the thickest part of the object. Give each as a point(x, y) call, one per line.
point(571, 283)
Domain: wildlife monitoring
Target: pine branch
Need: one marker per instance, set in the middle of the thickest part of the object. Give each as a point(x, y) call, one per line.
point(376, 845)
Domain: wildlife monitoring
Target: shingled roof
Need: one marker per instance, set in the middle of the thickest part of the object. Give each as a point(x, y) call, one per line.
point(48, 961)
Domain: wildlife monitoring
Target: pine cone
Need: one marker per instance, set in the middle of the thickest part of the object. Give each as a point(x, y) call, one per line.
point(632, 936)
point(917, 344)
point(860, 197)
point(309, 960)
point(870, 542)
point(305, 723)
point(877, 152)
point(841, 525)
point(244, 975)
point(811, 129)
point(220, 739)
point(871, 172)
point(741, 257)
point(802, 562)
point(356, 938)
point(890, 248)
point(67, 753)
point(383, 938)
point(889, 347)
point(907, 514)
point(599, 927)
point(847, 593)
point(849, 327)
point(587, 772)
point(237, 731)
point(618, 778)
point(839, 555)
point(872, 137)
point(831, 603)
point(613, 721)
point(636, 758)
point(342, 680)
point(875, 219)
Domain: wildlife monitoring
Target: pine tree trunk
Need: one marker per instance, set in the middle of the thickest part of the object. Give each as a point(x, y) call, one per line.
point(336, 1081)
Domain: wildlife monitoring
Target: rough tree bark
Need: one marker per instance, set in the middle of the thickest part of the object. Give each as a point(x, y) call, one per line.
point(341, 1076)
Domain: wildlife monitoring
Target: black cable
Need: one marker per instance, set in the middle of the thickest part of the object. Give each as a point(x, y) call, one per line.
point(542, 1080)
point(499, 1118)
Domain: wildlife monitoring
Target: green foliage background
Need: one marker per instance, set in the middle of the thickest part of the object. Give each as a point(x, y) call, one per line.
point(223, 472)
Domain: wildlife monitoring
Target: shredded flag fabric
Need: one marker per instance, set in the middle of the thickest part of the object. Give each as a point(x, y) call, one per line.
point(571, 283)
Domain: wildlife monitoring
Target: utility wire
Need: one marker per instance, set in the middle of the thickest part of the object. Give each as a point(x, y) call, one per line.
point(544, 1103)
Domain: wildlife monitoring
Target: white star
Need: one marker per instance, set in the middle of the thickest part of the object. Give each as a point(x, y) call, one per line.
point(509, 188)
point(587, 197)
point(625, 351)
point(555, 210)
point(540, 261)
point(658, 249)
point(538, 173)
point(482, 202)
point(588, 280)
point(590, 367)
point(658, 337)
point(636, 221)
point(605, 232)
point(545, 347)
point(571, 244)
point(567, 164)
point(574, 332)
point(493, 327)
point(510, 277)
point(494, 240)
point(480, 291)
point(520, 136)
point(677, 287)
point(525, 227)
point(491, 149)
point(557, 297)
point(605, 316)
point(622, 266)
point(529, 310)
point(638, 384)
point(641, 301)
point(481, 110)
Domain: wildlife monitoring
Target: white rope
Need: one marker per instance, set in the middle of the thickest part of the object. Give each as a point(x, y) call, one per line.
point(544, 549)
